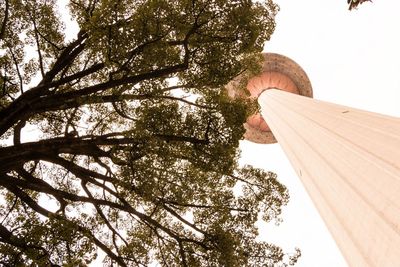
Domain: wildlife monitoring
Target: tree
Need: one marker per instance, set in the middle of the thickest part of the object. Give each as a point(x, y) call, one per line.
point(121, 159)
point(354, 3)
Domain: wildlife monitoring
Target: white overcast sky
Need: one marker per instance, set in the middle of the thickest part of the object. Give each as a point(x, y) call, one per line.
point(352, 58)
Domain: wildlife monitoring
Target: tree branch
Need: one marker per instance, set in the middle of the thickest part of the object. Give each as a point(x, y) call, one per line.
point(49, 41)
point(17, 132)
point(4, 23)
point(21, 84)
point(67, 56)
point(132, 80)
point(33, 205)
point(19, 108)
point(102, 215)
point(55, 102)
point(42, 184)
point(12, 156)
point(7, 237)
point(10, 210)
point(180, 218)
point(38, 46)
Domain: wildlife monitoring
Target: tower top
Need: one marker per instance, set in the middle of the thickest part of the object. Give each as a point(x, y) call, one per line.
point(278, 72)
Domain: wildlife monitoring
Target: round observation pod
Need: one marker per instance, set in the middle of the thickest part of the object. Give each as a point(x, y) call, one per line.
point(278, 72)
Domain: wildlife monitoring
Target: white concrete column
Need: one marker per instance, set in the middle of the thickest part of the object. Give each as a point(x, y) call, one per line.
point(349, 162)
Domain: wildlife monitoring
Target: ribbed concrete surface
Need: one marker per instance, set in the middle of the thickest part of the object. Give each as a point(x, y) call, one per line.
point(349, 162)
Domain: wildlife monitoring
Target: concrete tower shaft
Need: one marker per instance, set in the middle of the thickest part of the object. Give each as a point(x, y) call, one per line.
point(349, 162)
point(347, 159)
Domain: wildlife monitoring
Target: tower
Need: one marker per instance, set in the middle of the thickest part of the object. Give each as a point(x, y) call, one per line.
point(347, 159)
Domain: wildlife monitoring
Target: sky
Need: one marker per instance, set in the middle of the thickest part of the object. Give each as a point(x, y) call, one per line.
point(353, 59)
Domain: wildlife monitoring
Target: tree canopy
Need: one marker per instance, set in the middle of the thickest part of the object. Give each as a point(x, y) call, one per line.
point(123, 140)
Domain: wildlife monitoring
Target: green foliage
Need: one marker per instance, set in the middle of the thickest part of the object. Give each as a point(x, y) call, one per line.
point(136, 140)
